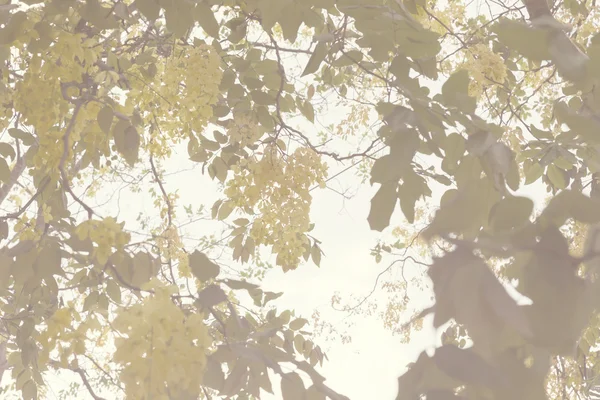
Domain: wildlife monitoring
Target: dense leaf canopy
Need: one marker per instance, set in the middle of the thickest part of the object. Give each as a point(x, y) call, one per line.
point(449, 109)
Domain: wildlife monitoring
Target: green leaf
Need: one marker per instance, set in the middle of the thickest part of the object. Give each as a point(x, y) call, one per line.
point(13, 28)
point(218, 169)
point(503, 305)
point(529, 42)
point(468, 367)
point(238, 31)
point(206, 19)
point(114, 291)
point(270, 12)
point(513, 178)
point(202, 267)
point(237, 285)
point(290, 20)
point(149, 8)
point(382, 206)
point(316, 254)
point(572, 204)
point(90, 301)
point(4, 171)
point(213, 376)
point(3, 230)
point(464, 210)
point(411, 190)
point(455, 92)
point(211, 296)
point(540, 134)
point(26, 137)
point(297, 324)
point(220, 137)
point(105, 118)
point(241, 222)
point(443, 179)
point(313, 393)
point(299, 343)
point(556, 177)
point(308, 111)
point(383, 170)
point(262, 98)
point(127, 141)
point(510, 212)
point(144, 268)
point(267, 66)
point(292, 387)
point(103, 302)
point(348, 58)
point(179, 16)
point(209, 145)
point(533, 173)
point(49, 261)
point(563, 163)
point(30, 391)
point(271, 296)
point(6, 150)
point(454, 148)
point(225, 210)
point(316, 59)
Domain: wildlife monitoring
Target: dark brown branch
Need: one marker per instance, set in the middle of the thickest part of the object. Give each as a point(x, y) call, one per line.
point(83, 377)
point(24, 208)
point(169, 207)
point(117, 384)
point(87, 383)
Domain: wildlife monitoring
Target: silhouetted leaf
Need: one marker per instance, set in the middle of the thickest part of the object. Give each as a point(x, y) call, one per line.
point(210, 296)
point(468, 367)
point(202, 267)
point(292, 387)
point(315, 59)
point(510, 212)
point(382, 206)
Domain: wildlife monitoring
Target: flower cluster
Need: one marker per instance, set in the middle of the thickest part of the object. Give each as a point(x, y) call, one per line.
point(159, 348)
point(244, 130)
point(106, 234)
point(278, 188)
point(180, 96)
point(61, 334)
point(50, 78)
point(485, 68)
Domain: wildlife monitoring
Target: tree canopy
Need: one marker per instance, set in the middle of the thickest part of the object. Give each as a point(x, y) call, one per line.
point(450, 111)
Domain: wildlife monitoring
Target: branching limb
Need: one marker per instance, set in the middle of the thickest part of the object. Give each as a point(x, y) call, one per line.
point(83, 377)
point(61, 166)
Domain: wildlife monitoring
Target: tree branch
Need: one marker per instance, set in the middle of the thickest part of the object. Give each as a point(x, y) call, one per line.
point(63, 159)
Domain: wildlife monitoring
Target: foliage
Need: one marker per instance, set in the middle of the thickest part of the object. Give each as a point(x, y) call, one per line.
point(103, 89)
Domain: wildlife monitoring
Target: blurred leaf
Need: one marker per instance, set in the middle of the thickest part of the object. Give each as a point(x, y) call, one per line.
point(105, 118)
point(210, 296)
point(298, 323)
point(510, 212)
point(292, 387)
point(202, 267)
point(315, 59)
point(382, 206)
point(468, 367)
